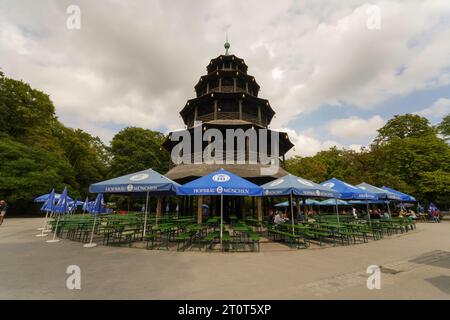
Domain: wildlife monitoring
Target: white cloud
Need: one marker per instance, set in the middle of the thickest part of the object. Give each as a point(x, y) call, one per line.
point(440, 108)
point(306, 144)
point(355, 128)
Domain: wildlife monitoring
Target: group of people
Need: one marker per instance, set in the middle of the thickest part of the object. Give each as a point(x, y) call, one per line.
point(278, 217)
point(3, 207)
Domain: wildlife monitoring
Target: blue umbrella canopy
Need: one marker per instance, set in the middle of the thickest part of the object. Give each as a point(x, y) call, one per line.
point(380, 193)
point(138, 182)
point(348, 191)
point(219, 183)
point(404, 197)
point(62, 205)
point(308, 202)
point(368, 202)
point(45, 197)
point(85, 206)
point(291, 184)
point(99, 205)
point(49, 204)
point(333, 202)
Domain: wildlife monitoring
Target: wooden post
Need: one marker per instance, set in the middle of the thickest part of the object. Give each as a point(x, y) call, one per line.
point(253, 207)
point(215, 109)
point(240, 109)
point(159, 207)
point(259, 115)
point(199, 209)
point(259, 209)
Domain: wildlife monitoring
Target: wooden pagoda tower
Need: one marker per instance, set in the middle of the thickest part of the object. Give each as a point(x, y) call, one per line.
point(227, 97)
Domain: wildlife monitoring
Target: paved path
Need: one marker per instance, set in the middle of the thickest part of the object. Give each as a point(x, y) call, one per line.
point(415, 265)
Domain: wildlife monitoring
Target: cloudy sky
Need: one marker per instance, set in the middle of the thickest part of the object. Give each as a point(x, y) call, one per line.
point(333, 74)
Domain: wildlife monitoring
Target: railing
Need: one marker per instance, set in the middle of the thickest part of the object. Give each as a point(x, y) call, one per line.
point(236, 157)
point(229, 116)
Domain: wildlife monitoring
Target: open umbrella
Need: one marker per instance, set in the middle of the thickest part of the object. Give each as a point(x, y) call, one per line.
point(59, 209)
point(290, 185)
point(147, 182)
point(220, 183)
point(350, 192)
point(96, 209)
point(48, 207)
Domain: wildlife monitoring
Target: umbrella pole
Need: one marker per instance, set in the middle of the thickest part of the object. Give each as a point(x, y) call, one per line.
point(337, 211)
point(56, 230)
point(368, 213)
point(221, 219)
point(145, 217)
point(90, 244)
point(44, 227)
point(389, 209)
point(292, 214)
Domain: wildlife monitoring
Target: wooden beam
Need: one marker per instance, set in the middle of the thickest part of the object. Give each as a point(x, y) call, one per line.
point(199, 209)
point(259, 208)
point(158, 207)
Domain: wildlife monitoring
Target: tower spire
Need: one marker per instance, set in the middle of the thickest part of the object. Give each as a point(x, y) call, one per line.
point(227, 44)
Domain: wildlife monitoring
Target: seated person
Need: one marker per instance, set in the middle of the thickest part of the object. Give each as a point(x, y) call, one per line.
point(278, 218)
point(435, 216)
point(412, 214)
point(355, 215)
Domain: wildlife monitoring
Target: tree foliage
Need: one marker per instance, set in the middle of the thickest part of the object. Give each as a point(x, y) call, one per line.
point(38, 153)
point(444, 127)
point(134, 149)
point(404, 126)
point(407, 155)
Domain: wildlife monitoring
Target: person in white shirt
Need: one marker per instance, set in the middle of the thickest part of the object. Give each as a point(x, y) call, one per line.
point(278, 219)
point(355, 215)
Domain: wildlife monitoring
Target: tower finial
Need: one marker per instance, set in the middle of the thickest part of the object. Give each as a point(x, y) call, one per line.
point(227, 44)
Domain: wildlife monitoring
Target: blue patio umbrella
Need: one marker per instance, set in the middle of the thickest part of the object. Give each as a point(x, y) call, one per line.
point(291, 185)
point(220, 183)
point(297, 186)
point(143, 182)
point(62, 204)
point(85, 206)
point(348, 191)
point(333, 202)
point(146, 181)
point(48, 207)
point(45, 197)
point(60, 208)
point(403, 196)
point(309, 202)
point(380, 193)
point(97, 207)
point(49, 204)
point(368, 201)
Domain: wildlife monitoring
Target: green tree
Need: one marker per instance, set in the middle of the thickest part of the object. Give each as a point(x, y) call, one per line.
point(134, 149)
point(86, 154)
point(38, 152)
point(444, 127)
point(404, 126)
point(24, 110)
point(26, 172)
